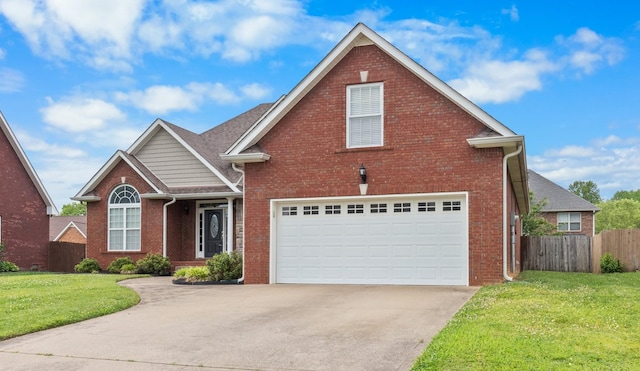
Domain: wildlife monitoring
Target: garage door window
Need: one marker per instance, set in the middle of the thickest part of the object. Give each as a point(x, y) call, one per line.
point(451, 206)
point(378, 208)
point(290, 210)
point(426, 206)
point(310, 210)
point(355, 209)
point(402, 207)
point(332, 209)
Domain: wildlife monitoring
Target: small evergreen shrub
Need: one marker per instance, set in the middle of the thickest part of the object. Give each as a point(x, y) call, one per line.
point(116, 265)
point(195, 274)
point(181, 273)
point(154, 264)
point(609, 264)
point(88, 266)
point(225, 266)
point(8, 267)
point(128, 269)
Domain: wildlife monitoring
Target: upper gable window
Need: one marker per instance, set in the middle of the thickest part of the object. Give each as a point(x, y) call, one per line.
point(364, 115)
point(124, 219)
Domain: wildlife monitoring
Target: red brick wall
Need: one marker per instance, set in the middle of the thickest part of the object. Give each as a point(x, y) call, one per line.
point(586, 218)
point(425, 150)
point(25, 223)
point(72, 235)
point(97, 214)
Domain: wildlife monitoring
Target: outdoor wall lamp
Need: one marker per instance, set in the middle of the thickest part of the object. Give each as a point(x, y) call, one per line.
point(363, 174)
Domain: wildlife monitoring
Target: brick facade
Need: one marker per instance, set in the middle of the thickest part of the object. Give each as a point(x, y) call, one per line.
point(586, 222)
point(425, 150)
point(72, 235)
point(24, 221)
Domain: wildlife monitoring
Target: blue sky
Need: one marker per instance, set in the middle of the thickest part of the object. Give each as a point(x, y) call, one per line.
point(80, 79)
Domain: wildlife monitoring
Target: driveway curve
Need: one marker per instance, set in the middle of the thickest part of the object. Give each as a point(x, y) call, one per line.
point(248, 327)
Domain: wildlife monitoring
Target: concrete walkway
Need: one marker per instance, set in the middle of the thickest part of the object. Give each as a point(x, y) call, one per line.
point(247, 327)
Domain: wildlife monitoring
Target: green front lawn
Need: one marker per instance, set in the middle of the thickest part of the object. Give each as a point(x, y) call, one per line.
point(544, 321)
point(32, 302)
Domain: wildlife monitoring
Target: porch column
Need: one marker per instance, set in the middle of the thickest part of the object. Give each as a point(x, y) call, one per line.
point(230, 224)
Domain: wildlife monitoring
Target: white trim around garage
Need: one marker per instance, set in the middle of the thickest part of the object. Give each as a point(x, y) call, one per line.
point(415, 243)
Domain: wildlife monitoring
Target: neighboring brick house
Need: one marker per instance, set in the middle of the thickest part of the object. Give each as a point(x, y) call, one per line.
point(371, 170)
point(569, 212)
point(68, 229)
point(25, 206)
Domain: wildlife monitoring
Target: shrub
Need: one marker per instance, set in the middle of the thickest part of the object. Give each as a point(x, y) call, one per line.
point(88, 266)
point(225, 266)
point(181, 273)
point(154, 264)
point(116, 265)
point(609, 264)
point(8, 267)
point(194, 274)
point(128, 268)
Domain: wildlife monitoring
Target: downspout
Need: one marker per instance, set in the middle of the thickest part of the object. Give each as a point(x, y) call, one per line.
point(505, 220)
point(233, 165)
point(164, 226)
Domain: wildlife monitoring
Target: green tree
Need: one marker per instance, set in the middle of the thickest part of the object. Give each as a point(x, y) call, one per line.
point(630, 195)
point(587, 190)
point(74, 208)
point(618, 214)
point(532, 223)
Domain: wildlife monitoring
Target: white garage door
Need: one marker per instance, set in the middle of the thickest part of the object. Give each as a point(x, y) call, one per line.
point(413, 240)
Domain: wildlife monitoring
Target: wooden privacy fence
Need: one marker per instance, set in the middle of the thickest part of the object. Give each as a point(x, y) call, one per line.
point(568, 253)
point(63, 256)
point(623, 244)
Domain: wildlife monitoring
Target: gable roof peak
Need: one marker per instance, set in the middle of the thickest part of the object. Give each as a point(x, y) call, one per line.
point(360, 35)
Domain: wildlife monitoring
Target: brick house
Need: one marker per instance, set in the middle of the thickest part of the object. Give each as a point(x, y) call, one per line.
point(25, 206)
point(371, 170)
point(569, 212)
point(71, 229)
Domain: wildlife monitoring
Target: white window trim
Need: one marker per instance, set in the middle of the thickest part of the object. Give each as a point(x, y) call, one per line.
point(124, 228)
point(567, 220)
point(348, 121)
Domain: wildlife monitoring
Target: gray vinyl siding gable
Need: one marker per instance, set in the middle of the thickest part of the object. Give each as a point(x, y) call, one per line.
point(174, 164)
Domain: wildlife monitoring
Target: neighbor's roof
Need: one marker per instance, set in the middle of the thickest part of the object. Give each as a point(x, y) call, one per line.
point(559, 198)
point(60, 224)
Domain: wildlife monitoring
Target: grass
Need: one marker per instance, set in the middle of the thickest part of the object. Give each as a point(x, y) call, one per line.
point(544, 321)
point(31, 302)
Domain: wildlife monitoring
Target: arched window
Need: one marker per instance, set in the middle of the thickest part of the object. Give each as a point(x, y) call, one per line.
point(124, 219)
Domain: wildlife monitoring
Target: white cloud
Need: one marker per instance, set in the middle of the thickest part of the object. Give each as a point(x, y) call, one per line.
point(11, 80)
point(79, 114)
point(160, 99)
point(613, 163)
point(587, 50)
point(498, 82)
point(255, 91)
point(512, 13)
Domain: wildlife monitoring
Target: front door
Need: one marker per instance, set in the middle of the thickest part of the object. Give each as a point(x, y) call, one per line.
point(214, 232)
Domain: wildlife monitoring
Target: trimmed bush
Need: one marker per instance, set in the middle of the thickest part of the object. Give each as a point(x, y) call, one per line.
point(88, 266)
point(609, 264)
point(225, 266)
point(128, 269)
point(116, 265)
point(154, 264)
point(8, 267)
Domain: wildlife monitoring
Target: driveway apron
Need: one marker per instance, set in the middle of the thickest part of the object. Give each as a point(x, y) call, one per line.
point(248, 327)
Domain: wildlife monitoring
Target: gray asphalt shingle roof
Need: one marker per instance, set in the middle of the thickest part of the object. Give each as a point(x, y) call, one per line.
point(559, 198)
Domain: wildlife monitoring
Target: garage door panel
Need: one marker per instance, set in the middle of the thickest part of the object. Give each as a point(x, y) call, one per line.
point(404, 247)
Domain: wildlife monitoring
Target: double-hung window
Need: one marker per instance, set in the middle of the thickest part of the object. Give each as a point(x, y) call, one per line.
point(124, 219)
point(364, 115)
point(569, 222)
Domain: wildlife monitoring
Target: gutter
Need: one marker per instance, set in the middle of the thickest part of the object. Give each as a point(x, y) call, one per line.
point(244, 212)
point(164, 226)
point(505, 219)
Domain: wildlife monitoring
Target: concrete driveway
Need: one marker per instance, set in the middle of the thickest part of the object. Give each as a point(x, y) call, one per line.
point(247, 327)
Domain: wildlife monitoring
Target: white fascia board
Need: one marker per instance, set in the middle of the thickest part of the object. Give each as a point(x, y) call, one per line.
point(244, 158)
point(159, 123)
point(102, 173)
point(86, 198)
point(24, 160)
point(192, 196)
point(494, 142)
